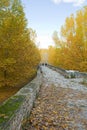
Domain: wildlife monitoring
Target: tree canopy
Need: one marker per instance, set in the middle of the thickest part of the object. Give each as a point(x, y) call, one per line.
point(71, 48)
point(19, 56)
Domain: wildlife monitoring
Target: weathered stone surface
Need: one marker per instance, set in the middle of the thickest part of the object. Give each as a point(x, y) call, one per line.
point(69, 74)
point(61, 104)
point(19, 106)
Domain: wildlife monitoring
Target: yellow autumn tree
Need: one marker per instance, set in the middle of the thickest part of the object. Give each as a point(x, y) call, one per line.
point(71, 49)
point(19, 55)
point(51, 55)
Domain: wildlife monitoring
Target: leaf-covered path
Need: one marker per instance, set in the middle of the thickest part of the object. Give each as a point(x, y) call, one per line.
point(60, 105)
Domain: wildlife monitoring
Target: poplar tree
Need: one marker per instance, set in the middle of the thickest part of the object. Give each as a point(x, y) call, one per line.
point(19, 55)
point(71, 50)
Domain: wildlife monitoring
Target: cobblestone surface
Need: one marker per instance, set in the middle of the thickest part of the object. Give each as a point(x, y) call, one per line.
point(53, 77)
point(61, 104)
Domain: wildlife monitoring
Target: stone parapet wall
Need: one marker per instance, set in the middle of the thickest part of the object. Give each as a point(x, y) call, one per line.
point(68, 74)
point(59, 70)
point(81, 74)
point(18, 107)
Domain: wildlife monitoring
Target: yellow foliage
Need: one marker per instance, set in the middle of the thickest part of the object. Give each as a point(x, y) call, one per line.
point(71, 51)
point(19, 55)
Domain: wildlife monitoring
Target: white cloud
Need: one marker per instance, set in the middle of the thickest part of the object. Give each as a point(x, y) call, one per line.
point(74, 2)
point(56, 1)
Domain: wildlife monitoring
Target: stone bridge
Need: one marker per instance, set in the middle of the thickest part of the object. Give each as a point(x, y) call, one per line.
point(61, 103)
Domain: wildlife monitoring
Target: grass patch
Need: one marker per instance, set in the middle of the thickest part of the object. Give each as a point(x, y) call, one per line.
point(72, 75)
point(8, 108)
point(6, 92)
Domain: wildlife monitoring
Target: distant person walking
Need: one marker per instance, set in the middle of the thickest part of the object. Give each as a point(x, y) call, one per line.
point(40, 67)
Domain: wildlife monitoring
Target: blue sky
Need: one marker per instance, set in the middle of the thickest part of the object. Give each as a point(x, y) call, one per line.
point(46, 16)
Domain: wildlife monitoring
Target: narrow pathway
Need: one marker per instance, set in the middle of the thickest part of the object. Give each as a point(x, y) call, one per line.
point(61, 104)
